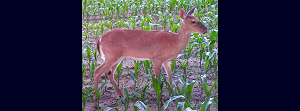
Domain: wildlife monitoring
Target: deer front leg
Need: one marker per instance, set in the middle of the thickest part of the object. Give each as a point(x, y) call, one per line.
point(168, 69)
point(157, 65)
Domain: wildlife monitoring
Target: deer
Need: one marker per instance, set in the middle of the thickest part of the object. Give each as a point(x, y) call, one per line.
point(161, 47)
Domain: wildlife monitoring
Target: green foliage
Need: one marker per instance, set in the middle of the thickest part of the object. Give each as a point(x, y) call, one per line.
point(170, 100)
point(141, 106)
point(158, 90)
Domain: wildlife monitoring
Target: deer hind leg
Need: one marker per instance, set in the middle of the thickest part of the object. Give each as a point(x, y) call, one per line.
point(101, 69)
point(110, 75)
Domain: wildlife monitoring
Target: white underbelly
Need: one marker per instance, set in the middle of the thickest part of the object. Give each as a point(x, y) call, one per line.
point(140, 59)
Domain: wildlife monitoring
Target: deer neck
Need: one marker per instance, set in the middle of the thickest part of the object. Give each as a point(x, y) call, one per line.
point(184, 36)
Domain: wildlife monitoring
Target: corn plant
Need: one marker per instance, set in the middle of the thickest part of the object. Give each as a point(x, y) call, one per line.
point(144, 92)
point(158, 85)
point(126, 99)
point(170, 100)
point(86, 95)
point(140, 106)
point(172, 5)
point(188, 92)
point(98, 94)
point(134, 76)
point(208, 100)
point(119, 71)
point(109, 108)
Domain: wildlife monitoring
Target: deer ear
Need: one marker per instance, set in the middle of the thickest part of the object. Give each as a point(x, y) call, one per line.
point(191, 11)
point(181, 14)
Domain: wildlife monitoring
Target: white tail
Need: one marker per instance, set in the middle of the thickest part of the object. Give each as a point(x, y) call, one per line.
point(161, 47)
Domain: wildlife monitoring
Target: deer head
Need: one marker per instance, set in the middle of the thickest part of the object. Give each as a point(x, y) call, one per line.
point(191, 22)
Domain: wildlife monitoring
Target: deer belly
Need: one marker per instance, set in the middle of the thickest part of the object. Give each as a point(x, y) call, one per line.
point(140, 59)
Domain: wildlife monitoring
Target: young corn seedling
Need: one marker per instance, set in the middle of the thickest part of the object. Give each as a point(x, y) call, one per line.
point(180, 106)
point(175, 28)
point(85, 96)
point(83, 64)
point(172, 5)
point(98, 94)
point(119, 71)
point(120, 23)
point(150, 6)
point(142, 21)
point(124, 8)
point(133, 22)
point(105, 11)
point(170, 100)
point(100, 10)
point(96, 30)
point(110, 24)
point(187, 91)
point(134, 76)
point(109, 108)
point(94, 9)
point(158, 85)
point(118, 11)
point(158, 90)
point(144, 92)
point(133, 10)
point(206, 104)
point(147, 67)
point(126, 99)
point(140, 106)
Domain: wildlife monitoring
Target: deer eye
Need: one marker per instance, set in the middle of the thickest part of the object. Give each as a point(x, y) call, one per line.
point(193, 22)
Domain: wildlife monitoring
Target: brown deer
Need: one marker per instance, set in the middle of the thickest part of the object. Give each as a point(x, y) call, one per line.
point(161, 47)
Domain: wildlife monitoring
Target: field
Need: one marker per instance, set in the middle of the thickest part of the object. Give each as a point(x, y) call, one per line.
point(195, 71)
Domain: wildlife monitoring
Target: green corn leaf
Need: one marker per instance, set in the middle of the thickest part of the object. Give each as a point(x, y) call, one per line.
point(173, 65)
point(143, 93)
point(134, 75)
point(169, 87)
point(214, 51)
point(206, 63)
point(206, 103)
point(87, 45)
point(188, 92)
point(170, 100)
point(118, 69)
point(103, 86)
point(216, 101)
point(136, 108)
point(156, 86)
point(109, 108)
point(146, 75)
point(189, 109)
point(141, 106)
point(180, 106)
point(136, 66)
point(213, 86)
point(204, 84)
